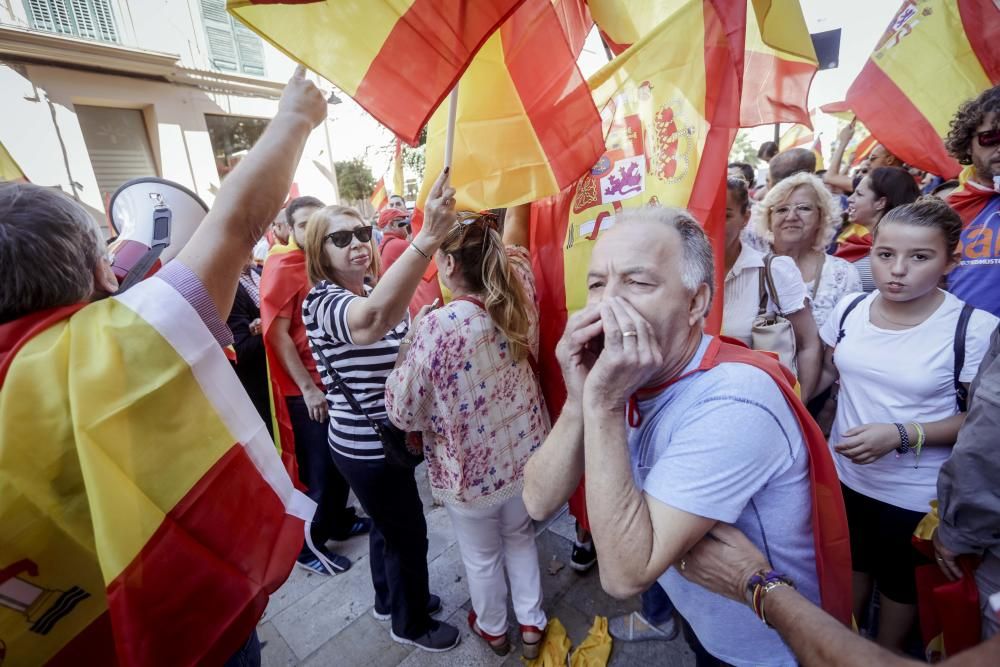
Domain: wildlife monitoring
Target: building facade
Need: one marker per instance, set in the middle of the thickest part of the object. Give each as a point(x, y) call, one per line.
point(94, 93)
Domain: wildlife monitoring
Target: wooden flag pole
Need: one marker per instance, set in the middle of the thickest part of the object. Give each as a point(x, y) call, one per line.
point(449, 140)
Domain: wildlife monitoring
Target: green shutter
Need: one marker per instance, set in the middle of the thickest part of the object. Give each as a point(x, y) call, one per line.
point(250, 49)
point(49, 15)
point(218, 30)
point(91, 19)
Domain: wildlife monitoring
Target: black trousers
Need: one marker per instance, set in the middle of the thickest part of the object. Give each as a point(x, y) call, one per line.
point(398, 540)
point(325, 484)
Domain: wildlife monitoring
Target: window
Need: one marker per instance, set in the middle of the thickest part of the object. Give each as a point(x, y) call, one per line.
point(92, 19)
point(117, 144)
point(232, 137)
point(232, 46)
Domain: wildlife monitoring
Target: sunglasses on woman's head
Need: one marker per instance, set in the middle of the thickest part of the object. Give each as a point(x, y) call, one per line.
point(469, 217)
point(989, 138)
point(342, 239)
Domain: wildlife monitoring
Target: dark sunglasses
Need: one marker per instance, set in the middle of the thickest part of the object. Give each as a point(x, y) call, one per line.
point(989, 138)
point(342, 239)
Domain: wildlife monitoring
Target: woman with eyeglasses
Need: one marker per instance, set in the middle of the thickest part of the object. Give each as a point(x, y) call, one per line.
point(359, 329)
point(747, 290)
point(467, 382)
point(798, 218)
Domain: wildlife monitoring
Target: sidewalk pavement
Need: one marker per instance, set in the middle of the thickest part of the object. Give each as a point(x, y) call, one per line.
point(317, 620)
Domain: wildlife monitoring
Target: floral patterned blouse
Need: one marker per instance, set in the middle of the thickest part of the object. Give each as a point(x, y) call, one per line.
point(838, 277)
point(481, 413)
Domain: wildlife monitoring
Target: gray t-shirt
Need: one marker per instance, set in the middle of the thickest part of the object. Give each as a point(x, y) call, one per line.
point(723, 444)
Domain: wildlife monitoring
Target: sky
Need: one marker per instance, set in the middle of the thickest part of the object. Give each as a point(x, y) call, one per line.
point(355, 133)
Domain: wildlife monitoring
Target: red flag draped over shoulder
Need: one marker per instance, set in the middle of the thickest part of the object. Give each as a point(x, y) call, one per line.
point(829, 519)
point(283, 277)
point(670, 105)
point(381, 51)
point(149, 520)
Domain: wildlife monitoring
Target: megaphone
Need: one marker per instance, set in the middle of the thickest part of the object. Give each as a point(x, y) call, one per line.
point(153, 219)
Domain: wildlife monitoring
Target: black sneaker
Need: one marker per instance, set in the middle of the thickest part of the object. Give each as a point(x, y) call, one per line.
point(439, 638)
point(583, 557)
point(433, 607)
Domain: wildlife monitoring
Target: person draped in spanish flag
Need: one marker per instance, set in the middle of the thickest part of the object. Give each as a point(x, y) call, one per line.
point(298, 401)
point(146, 518)
point(677, 431)
point(974, 140)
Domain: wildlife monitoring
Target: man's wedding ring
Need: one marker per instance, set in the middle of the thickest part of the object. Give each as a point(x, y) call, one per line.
point(626, 334)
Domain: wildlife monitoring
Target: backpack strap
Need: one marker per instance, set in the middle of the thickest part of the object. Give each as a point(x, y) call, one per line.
point(847, 311)
point(961, 393)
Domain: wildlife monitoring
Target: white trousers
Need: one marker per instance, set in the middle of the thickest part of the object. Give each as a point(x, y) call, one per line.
point(490, 538)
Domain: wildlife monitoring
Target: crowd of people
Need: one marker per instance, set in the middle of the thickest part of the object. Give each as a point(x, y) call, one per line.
point(735, 492)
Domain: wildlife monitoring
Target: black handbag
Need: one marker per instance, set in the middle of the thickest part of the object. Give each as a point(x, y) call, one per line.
point(402, 449)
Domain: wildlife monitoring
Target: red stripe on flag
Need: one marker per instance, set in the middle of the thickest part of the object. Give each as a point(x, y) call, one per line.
point(981, 21)
point(423, 57)
point(899, 126)
point(722, 110)
point(763, 69)
point(95, 645)
point(556, 98)
point(574, 16)
point(198, 587)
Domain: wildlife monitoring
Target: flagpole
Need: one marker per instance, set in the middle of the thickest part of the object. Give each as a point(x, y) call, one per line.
point(449, 141)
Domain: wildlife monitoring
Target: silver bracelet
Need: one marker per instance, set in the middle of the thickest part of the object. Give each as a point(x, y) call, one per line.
point(421, 252)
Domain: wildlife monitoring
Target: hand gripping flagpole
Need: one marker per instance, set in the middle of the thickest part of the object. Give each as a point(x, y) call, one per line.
point(449, 140)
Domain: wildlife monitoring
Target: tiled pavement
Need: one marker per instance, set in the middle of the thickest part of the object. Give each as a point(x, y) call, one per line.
point(315, 620)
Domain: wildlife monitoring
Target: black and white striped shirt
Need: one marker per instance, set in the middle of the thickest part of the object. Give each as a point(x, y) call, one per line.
point(364, 368)
point(864, 267)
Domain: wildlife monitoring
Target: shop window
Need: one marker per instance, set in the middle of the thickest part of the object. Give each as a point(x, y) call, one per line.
point(232, 137)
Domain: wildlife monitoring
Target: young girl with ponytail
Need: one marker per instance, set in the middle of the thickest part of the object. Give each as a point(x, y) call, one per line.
point(468, 383)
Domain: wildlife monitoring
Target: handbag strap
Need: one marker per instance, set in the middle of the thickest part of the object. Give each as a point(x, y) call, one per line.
point(767, 286)
point(819, 275)
point(340, 385)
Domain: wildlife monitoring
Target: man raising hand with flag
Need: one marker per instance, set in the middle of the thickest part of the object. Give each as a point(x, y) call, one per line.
point(140, 493)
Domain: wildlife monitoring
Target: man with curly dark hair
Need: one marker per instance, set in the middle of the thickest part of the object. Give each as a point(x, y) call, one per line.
point(974, 139)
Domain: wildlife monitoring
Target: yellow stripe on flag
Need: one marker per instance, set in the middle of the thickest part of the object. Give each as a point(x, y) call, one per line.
point(304, 32)
point(487, 97)
point(652, 99)
point(9, 169)
point(931, 46)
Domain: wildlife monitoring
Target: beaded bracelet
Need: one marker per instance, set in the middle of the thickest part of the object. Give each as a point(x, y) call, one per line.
point(762, 583)
point(904, 440)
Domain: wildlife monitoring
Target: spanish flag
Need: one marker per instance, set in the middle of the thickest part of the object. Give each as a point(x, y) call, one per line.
point(526, 125)
point(397, 58)
point(670, 106)
point(397, 170)
point(146, 518)
point(379, 196)
point(796, 136)
point(9, 169)
point(778, 62)
point(934, 55)
point(862, 150)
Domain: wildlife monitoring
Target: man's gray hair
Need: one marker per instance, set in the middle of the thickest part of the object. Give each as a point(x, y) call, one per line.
point(49, 249)
point(698, 265)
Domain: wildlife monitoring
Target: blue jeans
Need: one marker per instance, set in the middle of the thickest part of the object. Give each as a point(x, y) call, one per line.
point(248, 655)
point(656, 606)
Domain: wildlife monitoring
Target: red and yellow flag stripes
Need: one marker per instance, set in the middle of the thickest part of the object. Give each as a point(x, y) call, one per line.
point(778, 61)
point(670, 108)
point(146, 517)
point(526, 125)
point(396, 58)
point(934, 55)
point(379, 196)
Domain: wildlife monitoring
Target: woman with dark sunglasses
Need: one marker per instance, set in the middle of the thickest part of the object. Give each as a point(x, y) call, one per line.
point(358, 329)
point(467, 383)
